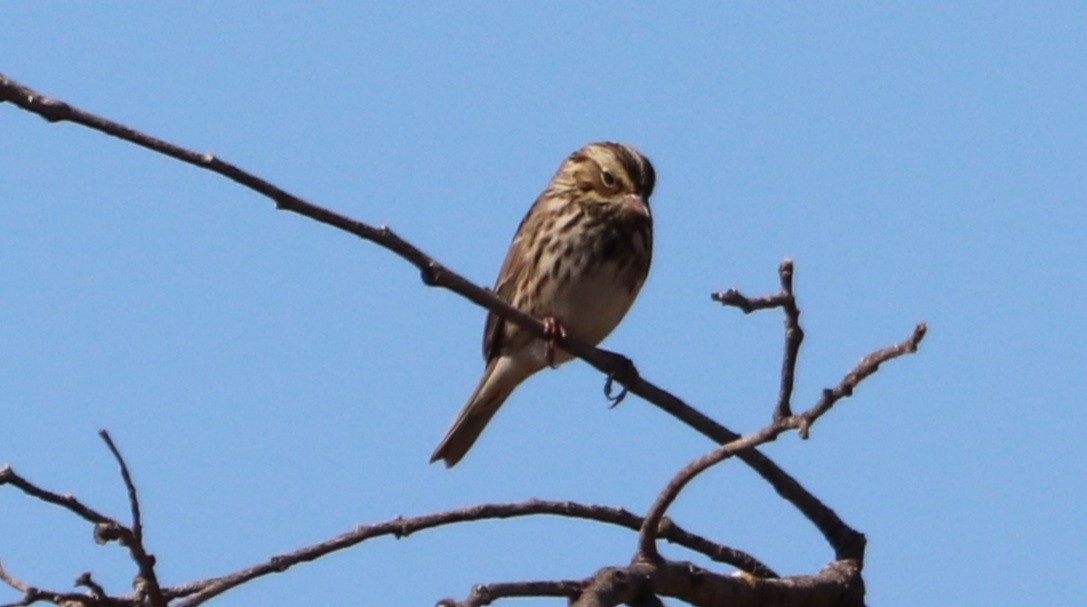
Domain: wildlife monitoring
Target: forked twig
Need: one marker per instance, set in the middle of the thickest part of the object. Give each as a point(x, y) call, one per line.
point(869, 364)
point(794, 335)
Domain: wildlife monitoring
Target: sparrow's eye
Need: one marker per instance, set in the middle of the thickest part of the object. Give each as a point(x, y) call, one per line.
point(607, 179)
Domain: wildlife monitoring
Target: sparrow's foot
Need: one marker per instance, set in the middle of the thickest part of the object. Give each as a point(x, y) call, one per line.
point(554, 332)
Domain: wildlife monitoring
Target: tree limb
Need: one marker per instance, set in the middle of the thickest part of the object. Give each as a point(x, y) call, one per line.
point(200, 592)
point(435, 274)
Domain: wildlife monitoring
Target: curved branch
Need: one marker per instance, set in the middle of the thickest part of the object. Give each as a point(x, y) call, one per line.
point(867, 366)
point(199, 592)
point(647, 547)
point(485, 594)
point(435, 274)
point(845, 547)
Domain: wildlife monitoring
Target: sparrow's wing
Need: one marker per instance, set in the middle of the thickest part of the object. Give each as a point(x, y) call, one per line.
point(496, 331)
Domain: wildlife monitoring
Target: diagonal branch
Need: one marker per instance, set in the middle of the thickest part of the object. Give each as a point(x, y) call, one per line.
point(69, 502)
point(435, 274)
point(867, 366)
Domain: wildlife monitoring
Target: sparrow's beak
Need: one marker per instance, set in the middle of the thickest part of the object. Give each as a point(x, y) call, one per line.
point(633, 203)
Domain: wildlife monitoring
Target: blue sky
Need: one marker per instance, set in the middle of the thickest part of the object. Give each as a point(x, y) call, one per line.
point(273, 382)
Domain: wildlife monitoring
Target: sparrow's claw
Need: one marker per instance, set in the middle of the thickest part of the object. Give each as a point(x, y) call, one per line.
point(614, 398)
point(553, 333)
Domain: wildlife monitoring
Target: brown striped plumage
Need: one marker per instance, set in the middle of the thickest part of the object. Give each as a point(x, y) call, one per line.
point(577, 260)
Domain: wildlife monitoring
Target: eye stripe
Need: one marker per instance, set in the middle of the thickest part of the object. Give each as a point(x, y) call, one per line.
point(637, 167)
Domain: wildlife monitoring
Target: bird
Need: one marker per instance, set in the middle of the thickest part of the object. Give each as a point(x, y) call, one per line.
point(577, 261)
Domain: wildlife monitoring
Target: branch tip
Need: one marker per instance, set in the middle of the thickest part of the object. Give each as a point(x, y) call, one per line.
point(785, 271)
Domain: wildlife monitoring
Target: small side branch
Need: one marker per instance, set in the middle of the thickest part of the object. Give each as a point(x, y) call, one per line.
point(69, 502)
point(33, 595)
point(147, 580)
point(199, 592)
point(794, 335)
point(485, 594)
point(866, 367)
point(846, 542)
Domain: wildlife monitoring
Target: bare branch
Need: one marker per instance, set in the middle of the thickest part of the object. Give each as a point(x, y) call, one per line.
point(133, 499)
point(735, 299)
point(33, 595)
point(147, 580)
point(434, 274)
point(69, 502)
point(794, 335)
point(97, 591)
point(614, 585)
point(199, 592)
point(846, 546)
point(839, 584)
point(647, 548)
point(485, 594)
point(634, 585)
point(866, 367)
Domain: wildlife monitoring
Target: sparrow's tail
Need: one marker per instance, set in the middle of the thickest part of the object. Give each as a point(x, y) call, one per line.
point(498, 382)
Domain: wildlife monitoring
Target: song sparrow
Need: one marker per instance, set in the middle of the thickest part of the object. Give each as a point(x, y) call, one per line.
point(577, 262)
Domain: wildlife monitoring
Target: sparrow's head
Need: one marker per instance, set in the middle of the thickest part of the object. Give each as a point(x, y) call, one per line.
point(609, 173)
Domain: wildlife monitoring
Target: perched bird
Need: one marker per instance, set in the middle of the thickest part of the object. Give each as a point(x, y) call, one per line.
point(577, 262)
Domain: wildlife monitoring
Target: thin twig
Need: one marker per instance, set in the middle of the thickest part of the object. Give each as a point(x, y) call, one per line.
point(851, 549)
point(866, 367)
point(69, 502)
point(147, 580)
point(88, 582)
point(794, 335)
point(485, 594)
point(133, 499)
point(33, 595)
